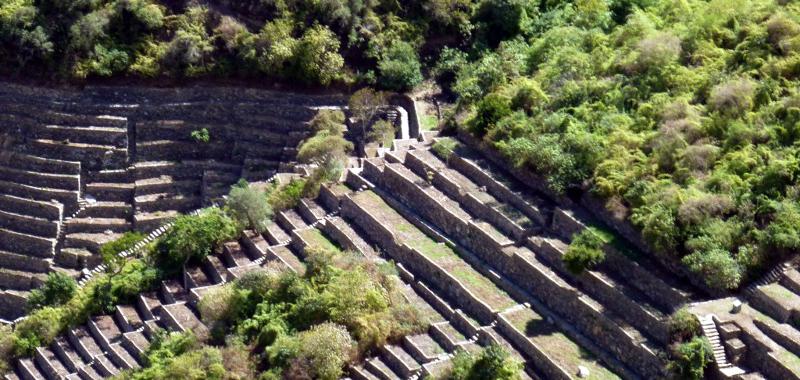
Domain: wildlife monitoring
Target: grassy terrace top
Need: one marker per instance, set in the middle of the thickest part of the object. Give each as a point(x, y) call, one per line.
point(439, 253)
point(556, 345)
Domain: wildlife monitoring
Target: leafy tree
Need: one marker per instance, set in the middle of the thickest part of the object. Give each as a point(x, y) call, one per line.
point(200, 135)
point(364, 105)
point(503, 18)
point(683, 325)
point(248, 206)
point(382, 132)
point(316, 56)
point(57, 290)
point(328, 148)
point(399, 68)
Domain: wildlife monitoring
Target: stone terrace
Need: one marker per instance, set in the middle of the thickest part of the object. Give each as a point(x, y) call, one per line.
point(78, 168)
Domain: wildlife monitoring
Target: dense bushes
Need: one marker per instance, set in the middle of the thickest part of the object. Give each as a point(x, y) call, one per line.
point(56, 290)
point(683, 117)
point(300, 42)
point(310, 326)
point(181, 356)
point(492, 363)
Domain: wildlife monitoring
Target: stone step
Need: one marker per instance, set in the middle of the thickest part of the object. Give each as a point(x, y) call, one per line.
point(166, 185)
point(111, 136)
point(26, 244)
point(67, 197)
point(67, 354)
point(29, 371)
point(108, 209)
point(43, 180)
point(50, 364)
point(97, 225)
point(24, 262)
point(38, 209)
point(29, 224)
point(77, 258)
point(20, 280)
point(90, 241)
point(84, 343)
point(166, 202)
point(38, 164)
point(110, 192)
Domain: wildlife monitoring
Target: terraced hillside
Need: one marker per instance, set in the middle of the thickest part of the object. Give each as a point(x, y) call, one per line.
point(478, 254)
point(79, 168)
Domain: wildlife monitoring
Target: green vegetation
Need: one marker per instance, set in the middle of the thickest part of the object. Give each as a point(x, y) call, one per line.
point(57, 290)
point(315, 324)
point(683, 116)
point(683, 325)
point(248, 206)
point(492, 363)
point(689, 352)
point(200, 135)
point(193, 237)
point(312, 42)
point(286, 196)
point(181, 356)
point(326, 150)
point(691, 358)
point(585, 251)
point(444, 147)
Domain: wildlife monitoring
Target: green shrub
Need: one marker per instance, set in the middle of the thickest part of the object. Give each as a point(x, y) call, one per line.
point(444, 147)
point(125, 242)
point(489, 111)
point(683, 325)
point(690, 359)
point(201, 135)
point(249, 207)
point(492, 363)
point(287, 196)
point(319, 353)
point(193, 237)
point(717, 268)
point(399, 68)
point(585, 251)
point(56, 290)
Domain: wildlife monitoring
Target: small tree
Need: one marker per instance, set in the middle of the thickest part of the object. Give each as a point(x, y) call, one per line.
point(382, 132)
point(248, 206)
point(493, 363)
point(490, 110)
point(57, 290)
point(327, 148)
point(319, 353)
point(364, 104)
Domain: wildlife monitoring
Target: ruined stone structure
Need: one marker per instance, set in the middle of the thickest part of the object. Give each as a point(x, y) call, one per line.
point(479, 254)
point(77, 168)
